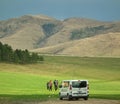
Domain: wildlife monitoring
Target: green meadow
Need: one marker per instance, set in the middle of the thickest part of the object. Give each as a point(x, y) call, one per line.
point(28, 82)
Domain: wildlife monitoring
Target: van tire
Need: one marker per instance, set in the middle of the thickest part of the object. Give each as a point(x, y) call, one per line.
point(86, 98)
point(69, 97)
point(61, 98)
point(77, 98)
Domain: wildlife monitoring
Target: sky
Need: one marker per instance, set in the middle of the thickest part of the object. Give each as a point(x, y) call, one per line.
point(103, 10)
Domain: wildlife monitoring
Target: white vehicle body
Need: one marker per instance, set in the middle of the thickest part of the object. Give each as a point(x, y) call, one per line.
point(74, 89)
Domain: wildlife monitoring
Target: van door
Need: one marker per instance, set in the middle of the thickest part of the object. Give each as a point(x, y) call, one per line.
point(79, 88)
point(75, 88)
point(64, 89)
point(83, 88)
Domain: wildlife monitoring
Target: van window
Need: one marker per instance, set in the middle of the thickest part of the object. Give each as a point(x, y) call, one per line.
point(76, 84)
point(65, 84)
point(83, 84)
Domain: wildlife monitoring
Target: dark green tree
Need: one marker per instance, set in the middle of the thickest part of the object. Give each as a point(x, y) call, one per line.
point(0, 51)
point(7, 54)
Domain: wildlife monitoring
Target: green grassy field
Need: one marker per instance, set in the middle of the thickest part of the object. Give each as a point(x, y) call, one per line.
point(28, 82)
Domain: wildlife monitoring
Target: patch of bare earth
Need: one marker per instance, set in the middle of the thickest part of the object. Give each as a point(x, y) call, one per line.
point(90, 101)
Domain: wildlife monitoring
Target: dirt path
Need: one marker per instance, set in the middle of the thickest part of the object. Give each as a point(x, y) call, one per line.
point(90, 101)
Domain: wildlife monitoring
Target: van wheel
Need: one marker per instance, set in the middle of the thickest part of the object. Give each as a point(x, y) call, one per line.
point(77, 98)
point(61, 98)
point(69, 97)
point(86, 98)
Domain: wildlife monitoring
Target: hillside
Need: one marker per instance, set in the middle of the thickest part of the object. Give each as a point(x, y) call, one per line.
point(28, 82)
point(25, 32)
point(99, 45)
point(72, 36)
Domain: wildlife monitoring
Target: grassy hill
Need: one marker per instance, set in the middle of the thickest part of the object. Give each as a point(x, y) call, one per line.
point(99, 45)
point(28, 82)
point(70, 35)
point(16, 32)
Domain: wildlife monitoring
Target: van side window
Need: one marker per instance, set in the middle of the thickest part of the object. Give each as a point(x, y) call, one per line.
point(83, 84)
point(65, 84)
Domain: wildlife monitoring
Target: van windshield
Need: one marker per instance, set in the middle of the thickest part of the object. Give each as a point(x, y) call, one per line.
point(79, 84)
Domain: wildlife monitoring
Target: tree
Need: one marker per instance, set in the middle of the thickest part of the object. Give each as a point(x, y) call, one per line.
point(41, 58)
point(15, 57)
point(34, 57)
point(7, 54)
point(0, 51)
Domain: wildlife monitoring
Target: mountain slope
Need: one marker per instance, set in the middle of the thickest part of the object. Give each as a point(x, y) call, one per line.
point(78, 28)
point(25, 32)
point(24, 38)
point(72, 36)
point(99, 45)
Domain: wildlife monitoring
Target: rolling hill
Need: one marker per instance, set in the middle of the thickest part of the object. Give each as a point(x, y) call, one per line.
point(99, 45)
point(72, 36)
point(24, 32)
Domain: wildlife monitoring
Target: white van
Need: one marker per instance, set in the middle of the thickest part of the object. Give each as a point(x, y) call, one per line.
point(74, 89)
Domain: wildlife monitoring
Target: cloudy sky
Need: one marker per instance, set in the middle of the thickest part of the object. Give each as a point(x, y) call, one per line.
point(104, 10)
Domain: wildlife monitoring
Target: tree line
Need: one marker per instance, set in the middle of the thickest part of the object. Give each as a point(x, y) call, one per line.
point(7, 54)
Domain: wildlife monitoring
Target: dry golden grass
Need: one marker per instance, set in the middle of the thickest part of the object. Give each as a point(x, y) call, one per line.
point(26, 32)
point(100, 45)
point(25, 38)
